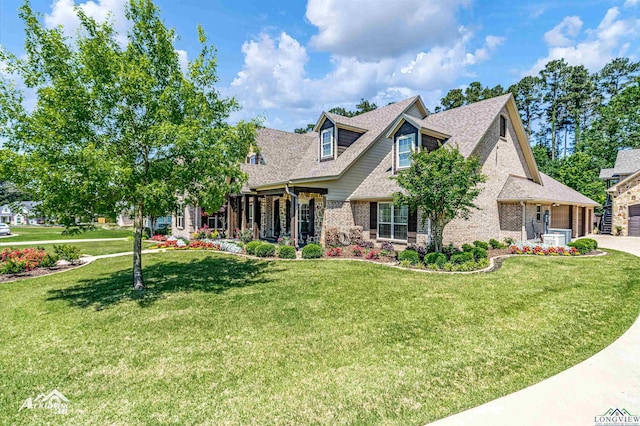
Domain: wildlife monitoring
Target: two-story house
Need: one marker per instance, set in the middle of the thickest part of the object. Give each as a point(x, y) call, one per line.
point(340, 175)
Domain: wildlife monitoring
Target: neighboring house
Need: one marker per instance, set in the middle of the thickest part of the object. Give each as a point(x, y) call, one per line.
point(340, 176)
point(20, 213)
point(622, 209)
point(125, 219)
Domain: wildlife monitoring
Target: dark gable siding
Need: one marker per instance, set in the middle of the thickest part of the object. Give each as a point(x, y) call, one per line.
point(405, 129)
point(345, 139)
point(326, 125)
point(430, 143)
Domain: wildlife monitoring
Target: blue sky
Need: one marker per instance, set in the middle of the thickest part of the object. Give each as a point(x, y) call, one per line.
point(289, 60)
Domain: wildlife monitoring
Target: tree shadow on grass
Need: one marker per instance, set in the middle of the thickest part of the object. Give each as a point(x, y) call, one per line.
point(209, 275)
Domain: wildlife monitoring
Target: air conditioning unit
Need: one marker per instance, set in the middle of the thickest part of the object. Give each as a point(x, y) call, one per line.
point(554, 240)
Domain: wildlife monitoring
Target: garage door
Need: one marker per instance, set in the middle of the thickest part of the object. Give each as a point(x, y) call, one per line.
point(634, 221)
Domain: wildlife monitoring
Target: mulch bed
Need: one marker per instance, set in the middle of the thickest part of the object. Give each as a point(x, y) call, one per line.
point(497, 252)
point(38, 272)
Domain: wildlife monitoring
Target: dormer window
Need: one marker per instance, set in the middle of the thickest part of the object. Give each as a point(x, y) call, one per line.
point(405, 147)
point(326, 139)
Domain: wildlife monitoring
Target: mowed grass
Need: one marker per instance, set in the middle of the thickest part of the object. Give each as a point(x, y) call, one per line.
point(217, 339)
point(94, 248)
point(44, 233)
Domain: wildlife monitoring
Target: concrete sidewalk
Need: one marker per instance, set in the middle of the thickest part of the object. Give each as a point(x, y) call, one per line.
point(89, 240)
point(609, 379)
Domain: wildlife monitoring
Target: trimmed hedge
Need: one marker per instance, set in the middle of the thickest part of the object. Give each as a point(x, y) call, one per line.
point(252, 246)
point(409, 255)
point(286, 252)
point(481, 244)
point(460, 258)
point(479, 253)
point(468, 247)
point(495, 244)
point(438, 259)
point(265, 250)
point(311, 251)
point(584, 245)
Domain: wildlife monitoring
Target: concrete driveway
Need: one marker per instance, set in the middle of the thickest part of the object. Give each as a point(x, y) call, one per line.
point(577, 396)
point(628, 244)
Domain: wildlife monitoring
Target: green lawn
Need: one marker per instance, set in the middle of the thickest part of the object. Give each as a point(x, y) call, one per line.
point(223, 340)
point(43, 233)
point(94, 248)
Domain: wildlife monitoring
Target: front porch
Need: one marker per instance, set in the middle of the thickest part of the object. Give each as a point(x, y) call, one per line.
point(296, 212)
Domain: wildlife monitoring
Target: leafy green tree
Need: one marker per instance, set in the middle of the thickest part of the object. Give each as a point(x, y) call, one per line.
point(365, 106)
point(453, 99)
point(581, 172)
point(554, 77)
point(616, 75)
point(307, 129)
point(119, 127)
point(443, 185)
point(528, 97)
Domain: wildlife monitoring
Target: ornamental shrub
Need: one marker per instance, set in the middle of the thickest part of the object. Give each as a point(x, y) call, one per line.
point(67, 252)
point(437, 259)
point(410, 256)
point(287, 252)
point(387, 246)
point(251, 247)
point(481, 244)
point(422, 250)
point(460, 258)
point(584, 245)
point(365, 244)
point(372, 255)
point(450, 250)
point(479, 253)
point(468, 247)
point(265, 250)
point(495, 244)
point(334, 252)
point(358, 251)
point(311, 251)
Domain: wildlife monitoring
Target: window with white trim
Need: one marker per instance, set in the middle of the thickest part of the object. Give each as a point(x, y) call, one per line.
point(180, 218)
point(538, 212)
point(393, 221)
point(405, 147)
point(304, 217)
point(326, 139)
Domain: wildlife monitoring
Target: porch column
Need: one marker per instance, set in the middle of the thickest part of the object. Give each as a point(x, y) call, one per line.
point(245, 210)
point(230, 217)
point(523, 231)
point(257, 217)
point(294, 220)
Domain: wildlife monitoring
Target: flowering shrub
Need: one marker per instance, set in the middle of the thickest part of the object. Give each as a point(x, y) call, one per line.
point(201, 245)
point(17, 261)
point(159, 237)
point(365, 244)
point(372, 255)
point(334, 252)
point(204, 233)
point(387, 246)
point(358, 251)
point(542, 250)
point(167, 244)
point(229, 247)
point(285, 240)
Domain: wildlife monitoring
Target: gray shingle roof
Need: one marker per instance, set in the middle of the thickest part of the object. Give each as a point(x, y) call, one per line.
point(375, 122)
point(606, 173)
point(627, 162)
point(519, 188)
point(467, 124)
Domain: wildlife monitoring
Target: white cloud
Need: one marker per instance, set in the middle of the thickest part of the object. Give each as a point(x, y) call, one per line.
point(374, 30)
point(598, 45)
point(631, 3)
point(183, 59)
point(273, 77)
point(63, 13)
point(564, 33)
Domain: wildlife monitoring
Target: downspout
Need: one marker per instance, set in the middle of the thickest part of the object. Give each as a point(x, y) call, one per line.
point(294, 204)
point(523, 231)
